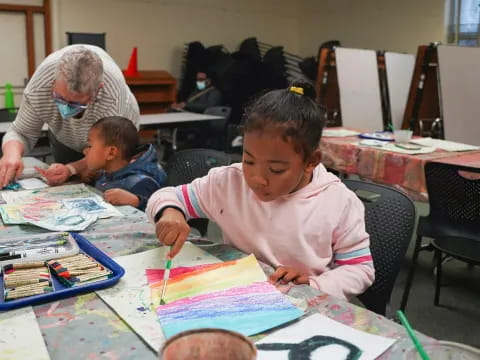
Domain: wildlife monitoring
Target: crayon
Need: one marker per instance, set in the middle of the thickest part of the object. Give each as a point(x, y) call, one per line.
point(26, 265)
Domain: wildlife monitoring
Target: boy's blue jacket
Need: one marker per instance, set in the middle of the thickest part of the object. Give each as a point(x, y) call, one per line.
point(141, 177)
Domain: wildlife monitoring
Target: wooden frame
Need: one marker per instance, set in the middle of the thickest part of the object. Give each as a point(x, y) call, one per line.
point(29, 11)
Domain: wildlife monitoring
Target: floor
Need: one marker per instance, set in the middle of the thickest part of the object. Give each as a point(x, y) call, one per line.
point(458, 317)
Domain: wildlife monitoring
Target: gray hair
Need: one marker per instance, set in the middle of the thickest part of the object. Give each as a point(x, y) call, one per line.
point(82, 69)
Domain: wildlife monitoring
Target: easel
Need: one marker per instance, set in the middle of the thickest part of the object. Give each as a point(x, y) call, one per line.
point(326, 86)
point(423, 112)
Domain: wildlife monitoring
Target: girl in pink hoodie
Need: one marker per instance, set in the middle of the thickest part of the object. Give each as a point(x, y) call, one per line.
point(280, 203)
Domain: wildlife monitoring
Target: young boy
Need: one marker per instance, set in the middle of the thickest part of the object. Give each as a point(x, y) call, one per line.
point(130, 173)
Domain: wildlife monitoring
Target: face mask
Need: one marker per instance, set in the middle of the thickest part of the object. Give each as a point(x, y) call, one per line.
point(67, 111)
point(201, 85)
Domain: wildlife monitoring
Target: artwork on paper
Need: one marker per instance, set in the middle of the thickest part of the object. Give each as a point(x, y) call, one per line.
point(51, 215)
point(208, 279)
point(70, 194)
point(248, 310)
point(48, 194)
point(319, 337)
point(130, 298)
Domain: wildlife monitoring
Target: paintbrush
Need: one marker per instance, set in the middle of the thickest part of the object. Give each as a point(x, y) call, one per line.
point(166, 276)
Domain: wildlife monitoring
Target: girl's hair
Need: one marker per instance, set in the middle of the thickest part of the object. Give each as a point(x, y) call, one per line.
point(293, 111)
point(120, 132)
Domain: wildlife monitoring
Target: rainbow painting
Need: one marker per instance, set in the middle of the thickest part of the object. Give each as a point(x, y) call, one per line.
point(207, 279)
point(248, 310)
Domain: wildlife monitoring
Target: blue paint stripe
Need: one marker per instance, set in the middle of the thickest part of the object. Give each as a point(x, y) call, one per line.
point(353, 254)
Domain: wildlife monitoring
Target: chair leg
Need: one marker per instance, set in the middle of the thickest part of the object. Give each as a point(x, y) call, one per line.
point(438, 280)
point(411, 272)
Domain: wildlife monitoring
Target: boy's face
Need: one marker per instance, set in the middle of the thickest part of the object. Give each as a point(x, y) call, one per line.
point(271, 166)
point(97, 154)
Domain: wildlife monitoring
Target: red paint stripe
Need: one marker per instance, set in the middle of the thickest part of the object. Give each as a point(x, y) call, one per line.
point(357, 260)
point(190, 208)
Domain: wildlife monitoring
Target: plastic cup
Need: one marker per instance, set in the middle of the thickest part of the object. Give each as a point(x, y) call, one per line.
point(208, 344)
point(445, 350)
point(402, 136)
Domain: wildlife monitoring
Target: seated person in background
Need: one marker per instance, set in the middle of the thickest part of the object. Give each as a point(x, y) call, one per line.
point(205, 96)
point(131, 173)
point(280, 204)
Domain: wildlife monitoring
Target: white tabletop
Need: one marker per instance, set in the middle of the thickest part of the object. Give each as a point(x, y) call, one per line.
point(150, 119)
point(175, 117)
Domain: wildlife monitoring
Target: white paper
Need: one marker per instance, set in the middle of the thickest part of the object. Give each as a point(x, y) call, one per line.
point(29, 165)
point(444, 144)
point(130, 297)
point(399, 69)
point(359, 88)
point(371, 346)
point(389, 146)
point(20, 336)
point(339, 132)
point(32, 183)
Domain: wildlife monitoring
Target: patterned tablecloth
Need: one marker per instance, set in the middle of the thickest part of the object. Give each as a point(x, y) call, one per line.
point(84, 327)
point(404, 171)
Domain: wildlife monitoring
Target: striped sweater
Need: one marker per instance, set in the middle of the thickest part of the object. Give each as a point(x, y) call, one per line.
point(319, 229)
point(38, 107)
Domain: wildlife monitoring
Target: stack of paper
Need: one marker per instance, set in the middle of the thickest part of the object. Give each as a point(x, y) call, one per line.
point(339, 132)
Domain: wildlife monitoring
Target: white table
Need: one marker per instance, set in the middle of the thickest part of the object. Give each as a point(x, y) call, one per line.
point(175, 118)
point(150, 120)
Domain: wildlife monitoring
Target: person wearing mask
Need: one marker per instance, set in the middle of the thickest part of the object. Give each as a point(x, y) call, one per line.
point(204, 96)
point(69, 91)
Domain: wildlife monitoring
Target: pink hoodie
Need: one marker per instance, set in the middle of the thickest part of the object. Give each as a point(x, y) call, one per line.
point(319, 229)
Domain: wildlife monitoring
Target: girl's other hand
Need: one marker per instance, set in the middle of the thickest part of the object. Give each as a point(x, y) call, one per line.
point(172, 229)
point(285, 274)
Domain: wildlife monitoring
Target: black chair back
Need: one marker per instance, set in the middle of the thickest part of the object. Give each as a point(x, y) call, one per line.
point(8, 115)
point(453, 198)
point(389, 220)
point(186, 165)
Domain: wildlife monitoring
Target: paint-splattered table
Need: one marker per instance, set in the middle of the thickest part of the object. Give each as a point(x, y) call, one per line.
point(84, 327)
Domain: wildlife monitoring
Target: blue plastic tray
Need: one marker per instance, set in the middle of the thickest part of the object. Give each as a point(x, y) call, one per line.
point(61, 291)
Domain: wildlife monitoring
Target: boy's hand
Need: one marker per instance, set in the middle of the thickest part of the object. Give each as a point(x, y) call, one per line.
point(285, 274)
point(121, 197)
point(56, 174)
point(172, 229)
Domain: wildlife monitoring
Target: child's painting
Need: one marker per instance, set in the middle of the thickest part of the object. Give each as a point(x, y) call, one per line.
point(248, 310)
point(48, 194)
point(319, 337)
point(208, 279)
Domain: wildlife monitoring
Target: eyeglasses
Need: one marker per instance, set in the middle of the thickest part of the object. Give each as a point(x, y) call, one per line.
point(59, 100)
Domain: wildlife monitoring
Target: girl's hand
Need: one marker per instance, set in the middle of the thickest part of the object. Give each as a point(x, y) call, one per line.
point(172, 229)
point(285, 274)
point(121, 197)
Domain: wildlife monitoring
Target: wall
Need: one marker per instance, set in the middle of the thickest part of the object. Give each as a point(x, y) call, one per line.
point(373, 24)
point(160, 28)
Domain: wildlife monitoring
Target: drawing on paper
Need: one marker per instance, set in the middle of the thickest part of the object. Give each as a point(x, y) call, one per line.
point(248, 310)
point(305, 349)
point(89, 205)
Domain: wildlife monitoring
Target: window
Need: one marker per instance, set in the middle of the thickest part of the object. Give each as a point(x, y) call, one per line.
point(463, 19)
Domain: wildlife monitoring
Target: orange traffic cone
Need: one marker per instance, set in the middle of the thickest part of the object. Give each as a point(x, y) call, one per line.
point(132, 69)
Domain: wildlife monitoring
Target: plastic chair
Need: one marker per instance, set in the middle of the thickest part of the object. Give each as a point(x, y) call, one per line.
point(186, 165)
point(389, 220)
point(97, 39)
point(219, 129)
point(453, 221)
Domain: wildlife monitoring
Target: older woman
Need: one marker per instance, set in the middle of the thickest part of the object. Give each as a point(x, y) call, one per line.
point(70, 90)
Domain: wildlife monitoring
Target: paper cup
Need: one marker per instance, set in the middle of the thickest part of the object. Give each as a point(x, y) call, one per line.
point(402, 136)
point(208, 344)
point(445, 350)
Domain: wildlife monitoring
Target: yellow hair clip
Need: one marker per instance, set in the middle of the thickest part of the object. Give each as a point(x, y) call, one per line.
point(297, 90)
